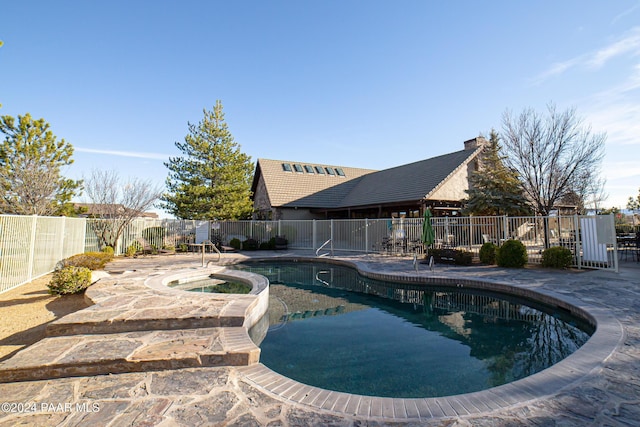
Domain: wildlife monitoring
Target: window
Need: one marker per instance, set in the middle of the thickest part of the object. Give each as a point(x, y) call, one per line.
point(319, 170)
point(308, 169)
point(330, 171)
point(286, 167)
point(339, 171)
point(297, 168)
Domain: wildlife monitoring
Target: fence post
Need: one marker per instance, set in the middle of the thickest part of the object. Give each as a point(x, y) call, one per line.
point(60, 254)
point(578, 238)
point(615, 242)
point(366, 235)
point(470, 232)
point(331, 236)
point(314, 242)
point(32, 246)
point(505, 228)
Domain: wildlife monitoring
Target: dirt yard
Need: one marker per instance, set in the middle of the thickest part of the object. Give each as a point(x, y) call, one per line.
point(25, 312)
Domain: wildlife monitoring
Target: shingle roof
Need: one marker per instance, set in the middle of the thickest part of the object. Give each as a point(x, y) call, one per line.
point(410, 182)
point(285, 188)
point(359, 187)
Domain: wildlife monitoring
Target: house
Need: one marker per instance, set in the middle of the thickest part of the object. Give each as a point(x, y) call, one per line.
point(302, 190)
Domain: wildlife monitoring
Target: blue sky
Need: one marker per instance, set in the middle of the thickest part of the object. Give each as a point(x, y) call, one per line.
point(370, 84)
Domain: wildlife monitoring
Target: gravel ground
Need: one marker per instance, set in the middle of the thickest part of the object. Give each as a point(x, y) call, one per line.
point(26, 310)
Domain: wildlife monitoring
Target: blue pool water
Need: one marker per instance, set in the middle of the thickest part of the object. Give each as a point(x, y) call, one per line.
point(332, 328)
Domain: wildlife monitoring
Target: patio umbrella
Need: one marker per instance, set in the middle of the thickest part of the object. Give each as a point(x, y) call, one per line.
point(428, 235)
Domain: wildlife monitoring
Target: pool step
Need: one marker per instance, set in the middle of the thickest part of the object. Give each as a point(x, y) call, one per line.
point(148, 311)
point(98, 354)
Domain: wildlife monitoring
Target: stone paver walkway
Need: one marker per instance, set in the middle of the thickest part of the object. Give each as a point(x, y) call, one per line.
point(225, 395)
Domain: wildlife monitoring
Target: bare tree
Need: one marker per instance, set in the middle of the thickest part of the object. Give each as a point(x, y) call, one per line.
point(595, 195)
point(555, 156)
point(117, 203)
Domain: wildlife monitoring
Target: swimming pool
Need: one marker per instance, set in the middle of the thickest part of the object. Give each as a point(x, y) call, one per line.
point(335, 329)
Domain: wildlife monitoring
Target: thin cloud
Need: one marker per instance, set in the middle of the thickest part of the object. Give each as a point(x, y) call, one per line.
point(557, 69)
point(617, 111)
point(136, 154)
point(629, 44)
point(625, 13)
point(622, 170)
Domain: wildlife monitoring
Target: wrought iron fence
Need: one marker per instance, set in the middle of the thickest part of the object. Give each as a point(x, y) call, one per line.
point(30, 246)
point(591, 239)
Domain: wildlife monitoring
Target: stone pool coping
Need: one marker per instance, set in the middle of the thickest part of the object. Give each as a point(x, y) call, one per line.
point(608, 335)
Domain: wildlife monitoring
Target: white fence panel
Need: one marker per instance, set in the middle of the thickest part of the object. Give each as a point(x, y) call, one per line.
point(30, 246)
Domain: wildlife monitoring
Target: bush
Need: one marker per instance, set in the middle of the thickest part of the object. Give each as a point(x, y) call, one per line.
point(451, 256)
point(250, 245)
point(557, 257)
point(90, 260)
point(69, 280)
point(462, 258)
point(264, 246)
point(108, 250)
point(487, 253)
point(272, 243)
point(132, 249)
point(512, 254)
point(235, 244)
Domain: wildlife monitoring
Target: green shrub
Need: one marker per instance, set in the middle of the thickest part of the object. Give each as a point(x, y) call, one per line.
point(69, 280)
point(557, 257)
point(235, 244)
point(487, 253)
point(451, 256)
point(512, 254)
point(462, 258)
point(183, 247)
point(108, 250)
point(264, 246)
point(250, 245)
point(132, 250)
point(272, 243)
point(90, 260)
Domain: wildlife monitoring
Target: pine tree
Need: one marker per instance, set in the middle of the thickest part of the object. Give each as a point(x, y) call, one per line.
point(31, 159)
point(495, 189)
point(213, 178)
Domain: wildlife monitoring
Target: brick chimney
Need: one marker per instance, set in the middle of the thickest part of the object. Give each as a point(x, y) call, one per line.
point(474, 143)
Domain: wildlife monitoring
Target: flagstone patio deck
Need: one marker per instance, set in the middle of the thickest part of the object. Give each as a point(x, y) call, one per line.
point(165, 346)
